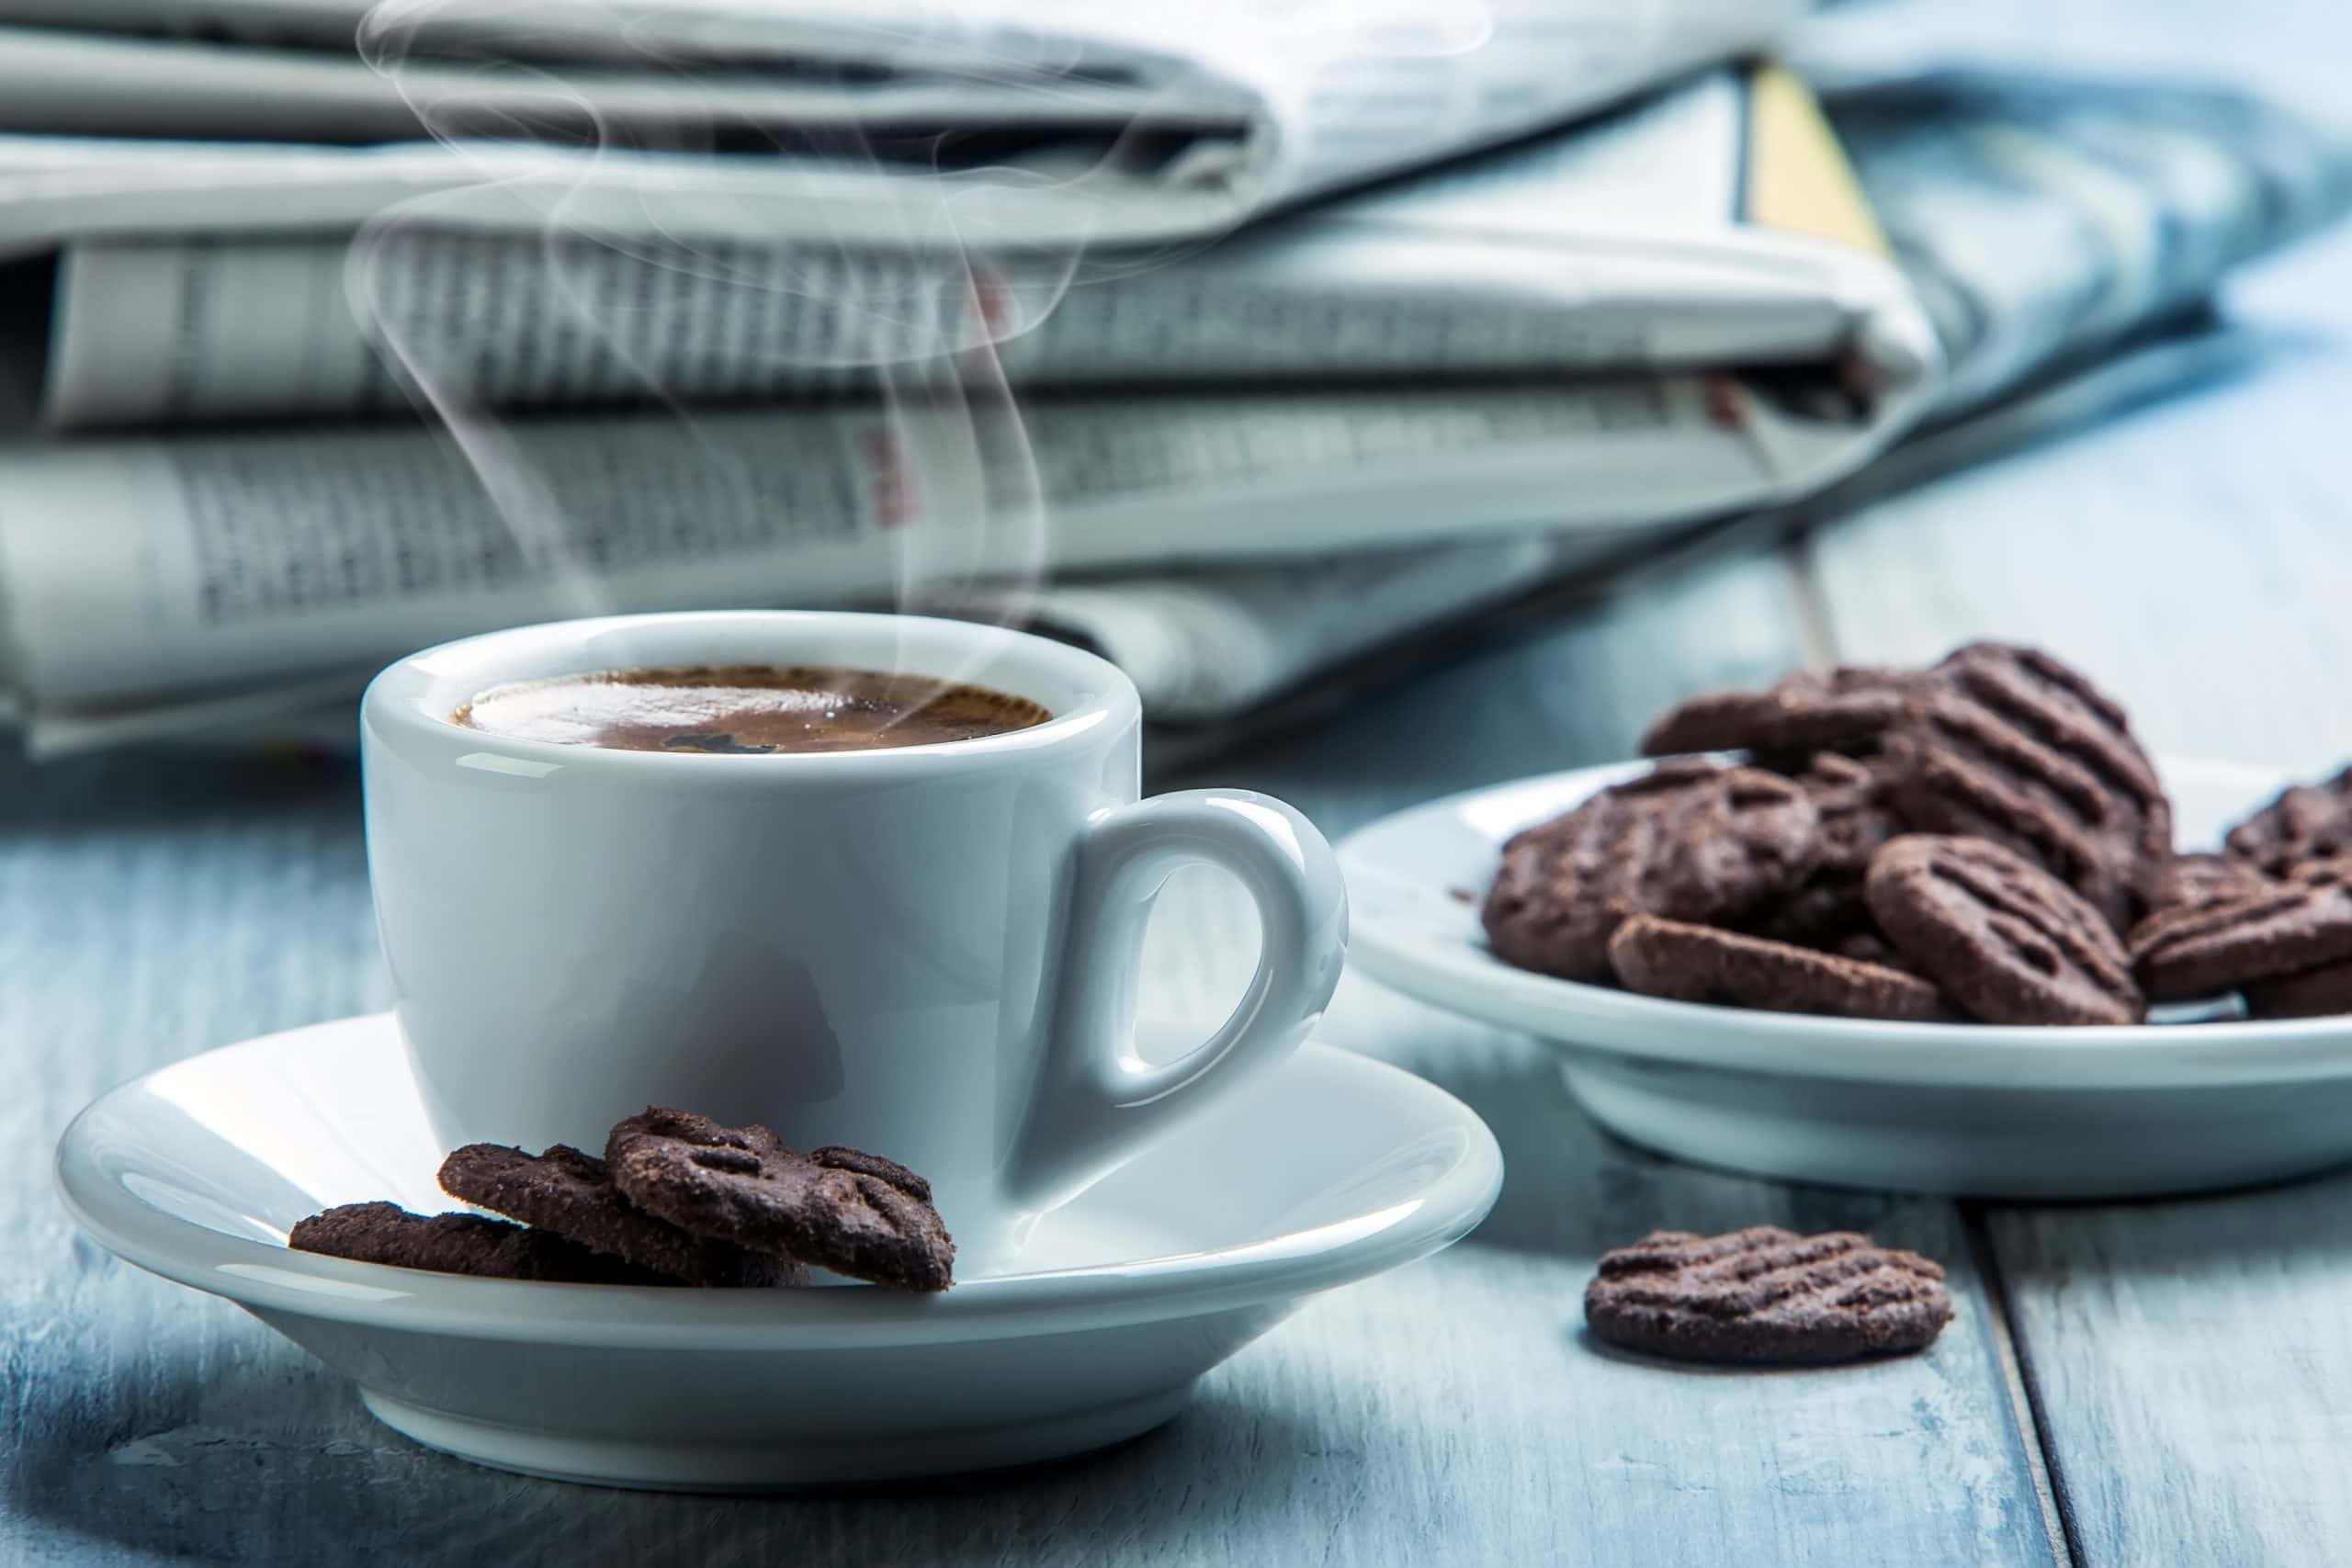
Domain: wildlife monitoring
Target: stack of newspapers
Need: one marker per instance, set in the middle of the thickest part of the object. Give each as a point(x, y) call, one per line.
point(1234, 338)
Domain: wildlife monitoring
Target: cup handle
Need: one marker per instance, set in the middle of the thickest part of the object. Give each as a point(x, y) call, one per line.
point(1097, 1101)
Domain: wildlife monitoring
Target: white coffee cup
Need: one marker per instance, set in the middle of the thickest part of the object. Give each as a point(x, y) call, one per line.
point(926, 952)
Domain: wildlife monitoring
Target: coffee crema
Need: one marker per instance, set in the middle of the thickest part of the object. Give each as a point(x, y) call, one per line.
point(745, 709)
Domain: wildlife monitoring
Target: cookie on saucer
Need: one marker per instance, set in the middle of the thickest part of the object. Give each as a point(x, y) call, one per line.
point(459, 1244)
point(572, 1195)
point(856, 1214)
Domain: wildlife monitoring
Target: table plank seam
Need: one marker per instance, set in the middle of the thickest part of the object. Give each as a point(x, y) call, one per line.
point(2025, 1403)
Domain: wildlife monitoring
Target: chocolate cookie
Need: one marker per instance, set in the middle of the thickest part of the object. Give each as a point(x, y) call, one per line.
point(458, 1244)
point(2202, 949)
point(2004, 938)
point(1765, 1294)
point(1855, 817)
point(2334, 871)
point(1821, 915)
point(572, 1195)
point(1868, 947)
point(2325, 992)
point(1691, 840)
point(2207, 878)
point(2306, 822)
point(1855, 800)
point(854, 1213)
point(1699, 963)
point(2015, 747)
point(1847, 708)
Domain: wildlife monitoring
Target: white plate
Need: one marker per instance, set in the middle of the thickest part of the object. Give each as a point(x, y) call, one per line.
point(1942, 1108)
point(1330, 1168)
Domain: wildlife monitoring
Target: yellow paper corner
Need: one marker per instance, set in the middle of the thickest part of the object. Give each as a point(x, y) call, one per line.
point(1798, 178)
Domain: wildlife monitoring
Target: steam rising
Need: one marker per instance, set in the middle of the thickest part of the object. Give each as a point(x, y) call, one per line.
point(910, 299)
point(914, 321)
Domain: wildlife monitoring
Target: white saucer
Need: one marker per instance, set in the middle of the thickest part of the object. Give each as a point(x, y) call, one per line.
point(1965, 1109)
point(1332, 1167)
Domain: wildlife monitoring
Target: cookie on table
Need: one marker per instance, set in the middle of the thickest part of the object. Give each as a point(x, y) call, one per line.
point(1843, 709)
point(2325, 992)
point(459, 1244)
point(1699, 963)
point(1999, 935)
point(2303, 823)
point(2012, 746)
point(853, 1212)
point(1765, 1295)
point(572, 1195)
point(2281, 929)
point(1692, 840)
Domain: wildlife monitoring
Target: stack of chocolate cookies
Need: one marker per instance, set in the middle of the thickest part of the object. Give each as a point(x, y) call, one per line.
point(675, 1200)
point(1984, 839)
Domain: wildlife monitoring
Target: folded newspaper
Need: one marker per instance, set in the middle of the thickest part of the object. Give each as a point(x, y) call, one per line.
point(203, 579)
point(896, 122)
point(1716, 230)
point(1686, 231)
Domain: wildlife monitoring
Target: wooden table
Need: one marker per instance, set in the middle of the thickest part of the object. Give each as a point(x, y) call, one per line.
point(2126, 1384)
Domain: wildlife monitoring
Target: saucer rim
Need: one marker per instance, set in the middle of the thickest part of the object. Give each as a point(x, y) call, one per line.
point(1464, 978)
point(267, 1278)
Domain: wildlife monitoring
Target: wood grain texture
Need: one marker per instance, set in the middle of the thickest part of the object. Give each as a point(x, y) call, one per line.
point(2193, 1374)
point(1450, 1413)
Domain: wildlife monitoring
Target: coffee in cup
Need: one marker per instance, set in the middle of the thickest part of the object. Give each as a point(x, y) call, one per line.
point(745, 709)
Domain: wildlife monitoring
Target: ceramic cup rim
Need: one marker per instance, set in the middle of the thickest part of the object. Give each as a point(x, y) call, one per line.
point(413, 698)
